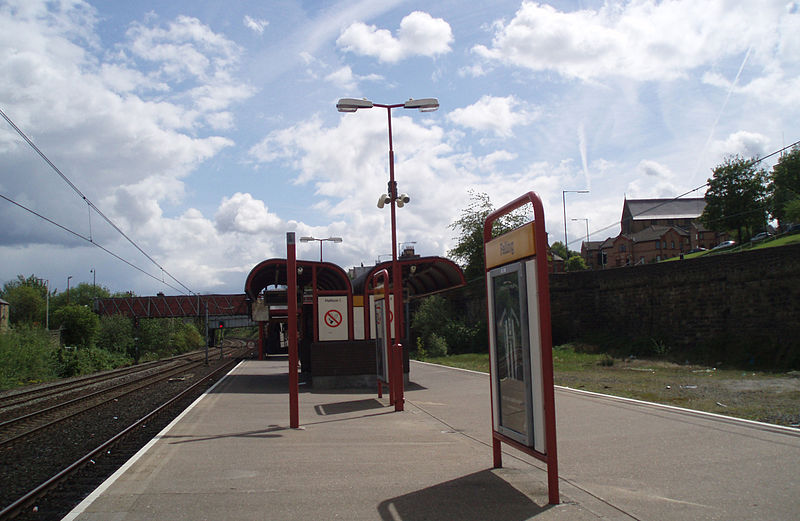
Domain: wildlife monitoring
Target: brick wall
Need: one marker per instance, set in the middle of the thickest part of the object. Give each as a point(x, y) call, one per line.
point(741, 307)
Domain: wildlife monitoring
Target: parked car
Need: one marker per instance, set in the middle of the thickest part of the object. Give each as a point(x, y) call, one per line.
point(795, 228)
point(695, 250)
point(760, 236)
point(723, 245)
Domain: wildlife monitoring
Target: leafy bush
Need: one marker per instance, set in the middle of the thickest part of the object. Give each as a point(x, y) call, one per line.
point(25, 357)
point(75, 362)
point(166, 337)
point(437, 327)
point(80, 325)
point(436, 346)
point(116, 335)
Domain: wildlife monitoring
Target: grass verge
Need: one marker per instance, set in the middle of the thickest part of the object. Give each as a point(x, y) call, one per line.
point(766, 397)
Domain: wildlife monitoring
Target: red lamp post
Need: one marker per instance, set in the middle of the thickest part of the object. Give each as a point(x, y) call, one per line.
point(394, 199)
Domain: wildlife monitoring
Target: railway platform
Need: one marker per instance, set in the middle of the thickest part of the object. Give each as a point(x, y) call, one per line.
point(233, 456)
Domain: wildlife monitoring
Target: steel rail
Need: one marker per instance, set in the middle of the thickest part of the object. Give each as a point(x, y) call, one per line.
point(27, 500)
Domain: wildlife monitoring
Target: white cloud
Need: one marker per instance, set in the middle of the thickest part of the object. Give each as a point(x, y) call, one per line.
point(344, 78)
point(640, 39)
point(116, 123)
point(419, 35)
point(241, 213)
point(652, 180)
point(743, 143)
point(493, 114)
point(255, 24)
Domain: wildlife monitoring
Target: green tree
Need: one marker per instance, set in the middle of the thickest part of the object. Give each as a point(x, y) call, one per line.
point(79, 323)
point(469, 243)
point(792, 211)
point(27, 297)
point(576, 263)
point(784, 187)
point(559, 249)
point(26, 303)
point(82, 294)
point(736, 197)
point(116, 335)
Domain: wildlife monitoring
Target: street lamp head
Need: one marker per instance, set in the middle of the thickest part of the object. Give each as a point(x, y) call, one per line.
point(307, 239)
point(353, 104)
point(335, 239)
point(423, 104)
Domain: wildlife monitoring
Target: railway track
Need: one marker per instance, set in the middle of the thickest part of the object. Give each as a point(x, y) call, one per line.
point(53, 459)
point(26, 396)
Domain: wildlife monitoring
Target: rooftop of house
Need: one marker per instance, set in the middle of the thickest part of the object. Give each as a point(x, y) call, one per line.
point(683, 208)
point(653, 233)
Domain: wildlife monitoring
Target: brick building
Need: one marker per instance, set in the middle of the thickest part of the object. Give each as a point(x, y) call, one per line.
point(652, 230)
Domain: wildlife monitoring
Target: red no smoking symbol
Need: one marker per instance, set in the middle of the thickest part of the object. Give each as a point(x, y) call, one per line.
point(333, 318)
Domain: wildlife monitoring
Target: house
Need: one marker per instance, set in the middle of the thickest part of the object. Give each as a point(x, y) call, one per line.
point(4, 313)
point(651, 244)
point(652, 230)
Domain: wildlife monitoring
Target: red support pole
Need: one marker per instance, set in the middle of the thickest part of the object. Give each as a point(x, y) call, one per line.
point(261, 340)
point(398, 377)
point(291, 294)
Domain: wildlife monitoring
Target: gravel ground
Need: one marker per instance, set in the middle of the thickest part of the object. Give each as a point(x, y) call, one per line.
point(23, 466)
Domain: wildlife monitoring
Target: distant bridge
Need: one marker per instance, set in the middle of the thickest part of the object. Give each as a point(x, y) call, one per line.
point(233, 310)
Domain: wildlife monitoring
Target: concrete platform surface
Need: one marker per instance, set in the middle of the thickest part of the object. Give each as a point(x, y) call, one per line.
point(232, 456)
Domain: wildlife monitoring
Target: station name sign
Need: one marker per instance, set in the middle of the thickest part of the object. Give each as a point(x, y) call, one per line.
point(511, 246)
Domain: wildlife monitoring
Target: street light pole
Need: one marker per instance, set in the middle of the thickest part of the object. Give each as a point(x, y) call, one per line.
point(331, 239)
point(394, 199)
point(564, 206)
point(68, 288)
point(587, 228)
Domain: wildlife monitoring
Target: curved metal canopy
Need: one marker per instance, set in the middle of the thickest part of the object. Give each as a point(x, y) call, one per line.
point(330, 277)
point(422, 276)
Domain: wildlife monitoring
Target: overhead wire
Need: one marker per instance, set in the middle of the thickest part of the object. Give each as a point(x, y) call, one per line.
point(89, 240)
point(753, 161)
point(90, 204)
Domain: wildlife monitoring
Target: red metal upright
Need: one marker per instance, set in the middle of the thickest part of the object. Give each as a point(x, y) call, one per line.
point(291, 297)
point(548, 391)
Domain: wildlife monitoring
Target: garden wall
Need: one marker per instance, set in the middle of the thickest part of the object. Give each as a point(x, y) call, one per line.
point(739, 308)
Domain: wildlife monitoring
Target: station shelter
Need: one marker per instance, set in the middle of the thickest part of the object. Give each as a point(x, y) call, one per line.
point(336, 330)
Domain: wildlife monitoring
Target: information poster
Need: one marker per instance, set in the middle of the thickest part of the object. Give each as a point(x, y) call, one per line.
point(512, 365)
point(381, 342)
point(332, 318)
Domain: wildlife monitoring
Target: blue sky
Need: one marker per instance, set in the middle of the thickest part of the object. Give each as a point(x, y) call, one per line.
point(207, 130)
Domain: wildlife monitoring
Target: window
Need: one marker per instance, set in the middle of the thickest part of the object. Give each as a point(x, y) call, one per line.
point(672, 245)
point(621, 247)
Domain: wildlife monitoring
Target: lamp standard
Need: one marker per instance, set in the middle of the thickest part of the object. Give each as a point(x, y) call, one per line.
point(587, 228)
point(331, 239)
point(46, 284)
point(393, 198)
point(68, 288)
point(564, 206)
point(587, 235)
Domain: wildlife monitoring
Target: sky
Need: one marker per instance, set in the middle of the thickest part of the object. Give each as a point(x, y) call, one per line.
point(206, 130)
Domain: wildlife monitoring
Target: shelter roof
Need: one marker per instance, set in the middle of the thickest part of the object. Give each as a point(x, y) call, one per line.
point(330, 277)
point(422, 276)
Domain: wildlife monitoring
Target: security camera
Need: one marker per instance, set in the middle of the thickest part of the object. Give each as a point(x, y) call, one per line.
point(383, 200)
point(402, 200)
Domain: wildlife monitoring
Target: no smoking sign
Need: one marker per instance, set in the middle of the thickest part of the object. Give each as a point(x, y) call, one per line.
point(333, 318)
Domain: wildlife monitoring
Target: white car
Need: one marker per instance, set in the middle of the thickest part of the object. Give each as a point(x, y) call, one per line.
point(724, 244)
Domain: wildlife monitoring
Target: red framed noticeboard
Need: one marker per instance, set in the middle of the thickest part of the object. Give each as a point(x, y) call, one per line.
point(520, 339)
